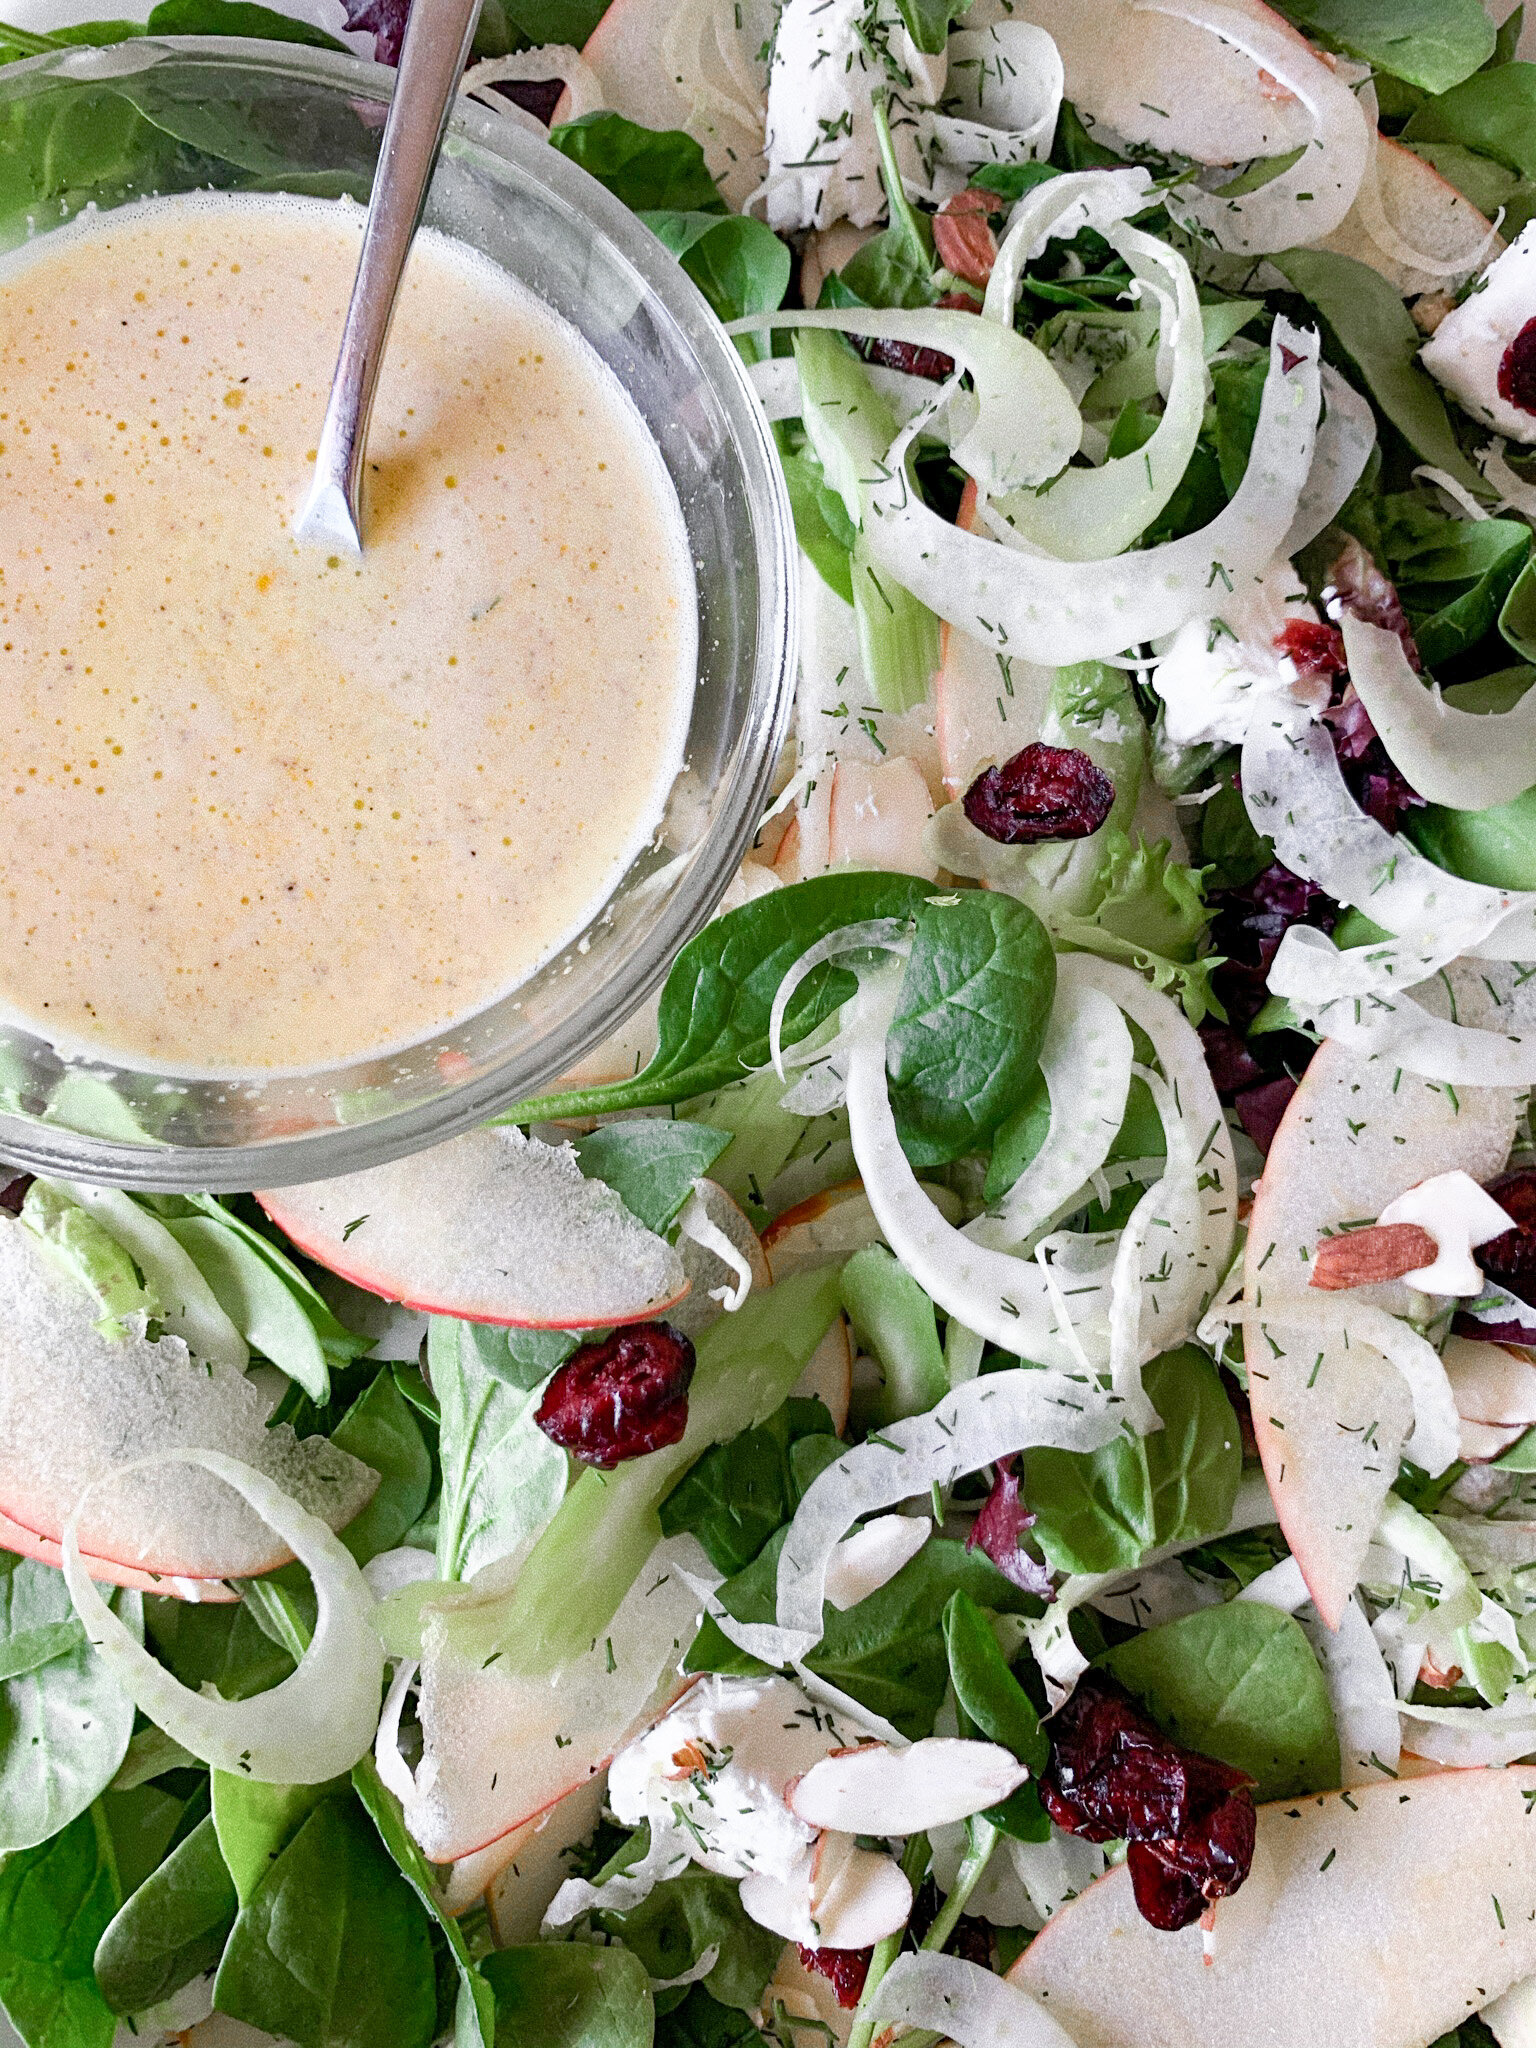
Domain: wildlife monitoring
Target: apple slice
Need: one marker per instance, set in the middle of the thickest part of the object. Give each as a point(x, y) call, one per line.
point(879, 816)
point(1378, 1918)
point(500, 1747)
point(518, 1875)
point(822, 1230)
point(493, 1227)
point(107, 1572)
point(1416, 210)
point(1331, 1416)
point(631, 52)
point(985, 710)
point(807, 1997)
point(76, 1405)
point(1162, 80)
point(828, 1376)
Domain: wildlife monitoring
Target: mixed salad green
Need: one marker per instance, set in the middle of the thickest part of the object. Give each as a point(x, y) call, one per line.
point(973, 1475)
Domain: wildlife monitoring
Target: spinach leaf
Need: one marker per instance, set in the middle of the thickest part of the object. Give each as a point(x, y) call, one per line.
point(969, 1022)
point(475, 2025)
point(896, 1325)
point(895, 267)
point(671, 1929)
point(65, 1722)
point(1232, 852)
point(822, 526)
point(713, 1022)
point(340, 1345)
point(255, 1823)
point(1433, 44)
point(650, 169)
point(738, 263)
point(1488, 185)
point(542, 21)
point(1454, 592)
point(992, 1701)
point(703, 2022)
point(1240, 1683)
point(1102, 1511)
point(740, 1492)
point(569, 1995)
point(234, 18)
point(1493, 112)
point(503, 1477)
point(147, 1821)
point(1239, 390)
point(1517, 617)
point(222, 1646)
point(55, 1902)
point(651, 1164)
point(888, 1652)
point(1371, 325)
point(1496, 846)
point(332, 1950)
point(1018, 1138)
point(381, 1429)
point(172, 1929)
point(928, 22)
point(267, 1313)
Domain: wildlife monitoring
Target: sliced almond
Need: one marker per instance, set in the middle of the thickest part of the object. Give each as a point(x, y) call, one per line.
point(1479, 1443)
point(876, 1790)
point(872, 1556)
point(857, 1896)
point(1491, 1383)
point(1362, 1258)
point(963, 237)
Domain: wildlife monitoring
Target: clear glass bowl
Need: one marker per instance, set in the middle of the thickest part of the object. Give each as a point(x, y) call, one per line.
point(182, 113)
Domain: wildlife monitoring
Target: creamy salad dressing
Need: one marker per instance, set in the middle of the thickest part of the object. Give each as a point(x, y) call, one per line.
point(261, 808)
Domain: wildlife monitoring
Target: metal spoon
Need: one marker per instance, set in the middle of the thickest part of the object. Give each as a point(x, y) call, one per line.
point(436, 48)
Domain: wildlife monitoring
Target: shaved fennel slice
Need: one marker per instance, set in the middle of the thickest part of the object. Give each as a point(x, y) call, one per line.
point(1059, 209)
point(1296, 793)
point(1468, 1738)
point(1309, 200)
point(1436, 1433)
point(1089, 513)
point(1003, 1298)
point(1464, 759)
point(1004, 91)
point(695, 1222)
point(964, 2003)
point(1061, 612)
point(974, 1425)
point(1086, 1063)
point(317, 1722)
point(1346, 434)
point(889, 933)
point(1171, 1206)
point(1316, 978)
point(1513, 490)
point(1026, 425)
point(1196, 1106)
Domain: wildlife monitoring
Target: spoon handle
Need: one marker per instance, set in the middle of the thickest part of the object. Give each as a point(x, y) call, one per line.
point(437, 41)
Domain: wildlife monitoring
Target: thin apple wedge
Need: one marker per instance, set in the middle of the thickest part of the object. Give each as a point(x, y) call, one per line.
point(1379, 1918)
point(1332, 1415)
point(1414, 212)
point(493, 1227)
point(502, 1747)
point(76, 1405)
point(107, 1572)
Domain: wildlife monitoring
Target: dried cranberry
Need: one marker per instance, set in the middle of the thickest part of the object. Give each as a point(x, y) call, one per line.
point(1114, 1775)
point(1517, 370)
point(1365, 593)
point(1316, 650)
point(1511, 1258)
point(14, 1192)
point(997, 1531)
point(1041, 793)
point(931, 363)
point(1260, 1109)
point(536, 96)
point(844, 1969)
point(621, 1398)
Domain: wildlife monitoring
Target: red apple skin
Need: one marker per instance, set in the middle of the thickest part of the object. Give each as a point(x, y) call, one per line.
point(107, 1571)
point(338, 1258)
